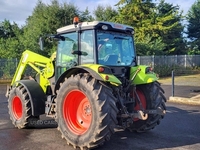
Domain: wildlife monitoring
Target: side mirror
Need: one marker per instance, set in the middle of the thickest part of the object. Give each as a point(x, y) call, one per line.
point(41, 43)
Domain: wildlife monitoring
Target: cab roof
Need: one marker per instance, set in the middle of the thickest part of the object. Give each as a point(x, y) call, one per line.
point(93, 24)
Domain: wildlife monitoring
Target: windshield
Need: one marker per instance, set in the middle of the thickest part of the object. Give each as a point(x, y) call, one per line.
point(115, 49)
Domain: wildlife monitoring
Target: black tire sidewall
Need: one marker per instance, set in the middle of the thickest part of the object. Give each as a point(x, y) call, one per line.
point(65, 89)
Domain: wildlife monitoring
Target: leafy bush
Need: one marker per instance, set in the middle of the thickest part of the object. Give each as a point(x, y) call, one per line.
point(166, 70)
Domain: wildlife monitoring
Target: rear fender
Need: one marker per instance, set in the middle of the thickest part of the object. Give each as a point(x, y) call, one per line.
point(36, 95)
point(145, 75)
point(106, 76)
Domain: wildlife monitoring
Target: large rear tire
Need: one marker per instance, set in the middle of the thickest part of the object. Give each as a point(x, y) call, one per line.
point(19, 108)
point(151, 97)
point(86, 111)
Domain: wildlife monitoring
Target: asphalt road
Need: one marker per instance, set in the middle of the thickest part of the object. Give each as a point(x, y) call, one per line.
point(179, 130)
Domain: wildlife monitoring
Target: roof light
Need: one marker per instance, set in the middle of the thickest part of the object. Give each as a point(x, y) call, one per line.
point(104, 27)
point(118, 26)
point(76, 20)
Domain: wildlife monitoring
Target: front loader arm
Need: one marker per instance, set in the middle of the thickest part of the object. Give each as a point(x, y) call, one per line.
point(42, 65)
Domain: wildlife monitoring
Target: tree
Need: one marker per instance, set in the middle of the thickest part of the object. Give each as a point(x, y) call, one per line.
point(10, 40)
point(85, 16)
point(172, 33)
point(193, 27)
point(150, 47)
point(141, 15)
point(105, 13)
point(46, 19)
point(155, 21)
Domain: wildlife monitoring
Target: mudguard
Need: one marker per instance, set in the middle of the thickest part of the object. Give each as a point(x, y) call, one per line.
point(93, 69)
point(106, 76)
point(143, 75)
point(36, 95)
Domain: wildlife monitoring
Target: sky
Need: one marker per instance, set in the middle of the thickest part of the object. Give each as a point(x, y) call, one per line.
point(18, 10)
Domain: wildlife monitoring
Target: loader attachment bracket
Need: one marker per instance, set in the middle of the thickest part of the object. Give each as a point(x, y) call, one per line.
point(139, 114)
point(158, 111)
point(143, 115)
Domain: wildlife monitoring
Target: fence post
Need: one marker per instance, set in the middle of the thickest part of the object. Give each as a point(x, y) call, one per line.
point(153, 61)
point(176, 63)
point(185, 61)
point(138, 60)
point(172, 83)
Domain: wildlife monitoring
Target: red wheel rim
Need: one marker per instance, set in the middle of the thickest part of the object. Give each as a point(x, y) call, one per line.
point(17, 107)
point(77, 112)
point(143, 101)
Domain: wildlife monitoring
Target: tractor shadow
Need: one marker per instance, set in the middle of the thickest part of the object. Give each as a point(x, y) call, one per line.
point(178, 128)
point(42, 123)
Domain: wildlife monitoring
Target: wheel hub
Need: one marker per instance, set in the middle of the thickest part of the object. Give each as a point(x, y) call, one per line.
point(77, 112)
point(17, 107)
point(88, 110)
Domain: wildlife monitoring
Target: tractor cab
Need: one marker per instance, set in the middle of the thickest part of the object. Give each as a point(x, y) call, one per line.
point(95, 42)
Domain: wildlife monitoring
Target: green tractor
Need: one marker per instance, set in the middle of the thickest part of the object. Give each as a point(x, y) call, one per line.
point(89, 86)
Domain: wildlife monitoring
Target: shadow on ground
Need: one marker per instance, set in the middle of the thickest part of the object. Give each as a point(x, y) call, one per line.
point(174, 131)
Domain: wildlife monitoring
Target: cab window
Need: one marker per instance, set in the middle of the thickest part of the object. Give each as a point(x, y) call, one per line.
point(65, 58)
point(87, 46)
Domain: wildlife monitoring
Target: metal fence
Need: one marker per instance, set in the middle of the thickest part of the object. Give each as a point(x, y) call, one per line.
point(173, 60)
point(8, 66)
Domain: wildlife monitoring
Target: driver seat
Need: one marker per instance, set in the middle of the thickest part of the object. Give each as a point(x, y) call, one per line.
point(111, 59)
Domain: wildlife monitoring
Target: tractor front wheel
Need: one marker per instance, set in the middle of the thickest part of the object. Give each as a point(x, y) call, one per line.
point(19, 108)
point(86, 111)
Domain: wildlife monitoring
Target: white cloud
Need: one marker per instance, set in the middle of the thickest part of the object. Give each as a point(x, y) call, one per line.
point(19, 10)
point(16, 11)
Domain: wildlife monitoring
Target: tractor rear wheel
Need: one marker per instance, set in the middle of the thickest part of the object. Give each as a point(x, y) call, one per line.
point(19, 108)
point(86, 111)
point(151, 97)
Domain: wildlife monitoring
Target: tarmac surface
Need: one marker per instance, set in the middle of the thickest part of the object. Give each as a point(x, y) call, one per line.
point(179, 130)
point(186, 89)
